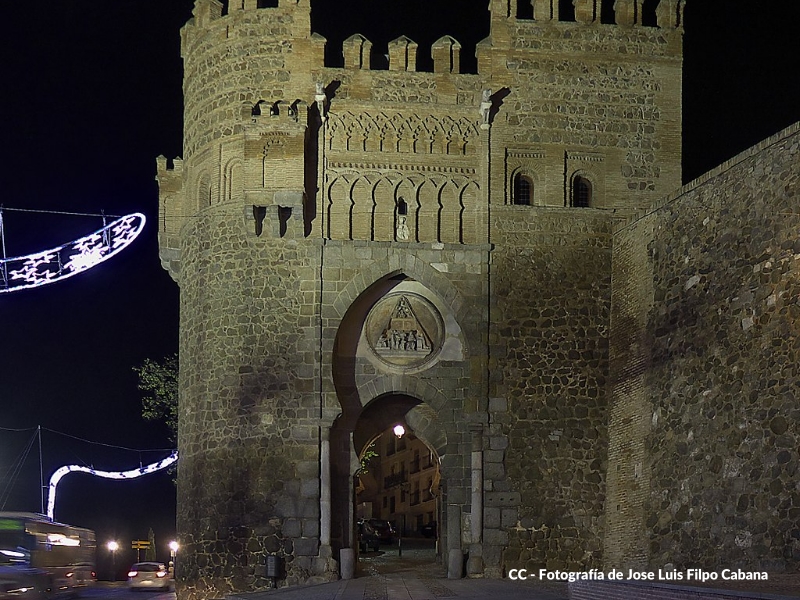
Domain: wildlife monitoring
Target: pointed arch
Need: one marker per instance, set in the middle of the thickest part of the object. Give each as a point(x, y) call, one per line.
point(471, 217)
point(204, 197)
point(233, 183)
point(383, 222)
point(581, 191)
point(362, 206)
point(428, 221)
point(338, 209)
point(450, 210)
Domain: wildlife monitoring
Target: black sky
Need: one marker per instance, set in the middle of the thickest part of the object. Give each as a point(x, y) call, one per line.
point(92, 94)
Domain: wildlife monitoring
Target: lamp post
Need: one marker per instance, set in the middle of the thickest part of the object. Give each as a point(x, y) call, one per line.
point(173, 550)
point(113, 547)
point(399, 431)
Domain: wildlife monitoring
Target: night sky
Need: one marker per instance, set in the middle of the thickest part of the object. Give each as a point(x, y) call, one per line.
point(92, 94)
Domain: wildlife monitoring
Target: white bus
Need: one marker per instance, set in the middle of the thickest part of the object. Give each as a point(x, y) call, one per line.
point(63, 555)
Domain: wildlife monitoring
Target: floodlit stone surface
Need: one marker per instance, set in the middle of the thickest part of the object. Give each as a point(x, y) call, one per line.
point(606, 377)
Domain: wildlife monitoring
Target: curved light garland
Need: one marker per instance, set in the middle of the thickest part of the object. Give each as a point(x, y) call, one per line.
point(132, 474)
point(33, 270)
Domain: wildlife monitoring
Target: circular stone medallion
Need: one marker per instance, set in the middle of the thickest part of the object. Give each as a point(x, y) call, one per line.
point(404, 330)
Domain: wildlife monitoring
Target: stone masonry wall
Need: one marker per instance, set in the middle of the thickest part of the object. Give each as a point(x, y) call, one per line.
point(551, 291)
point(236, 61)
point(248, 434)
point(285, 210)
point(719, 376)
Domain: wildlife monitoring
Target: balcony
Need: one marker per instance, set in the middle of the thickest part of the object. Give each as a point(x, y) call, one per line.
point(394, 479)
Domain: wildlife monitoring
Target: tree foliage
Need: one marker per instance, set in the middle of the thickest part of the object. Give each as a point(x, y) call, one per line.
point(367, 459)
point(159, 382)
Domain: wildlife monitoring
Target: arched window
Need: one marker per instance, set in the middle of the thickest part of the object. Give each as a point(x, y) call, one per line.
point(581, 191)
point(523, 190)
point(402, 207)
point(204, 191)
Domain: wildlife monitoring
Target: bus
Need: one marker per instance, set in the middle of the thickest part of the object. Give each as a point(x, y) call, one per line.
point(62, 555)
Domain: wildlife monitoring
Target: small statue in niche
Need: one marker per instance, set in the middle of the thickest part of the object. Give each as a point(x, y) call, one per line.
point(486, 107)
point(402, 229)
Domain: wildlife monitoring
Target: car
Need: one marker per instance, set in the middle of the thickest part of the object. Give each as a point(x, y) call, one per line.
point(428, 530)
point(82, 576)
point(22, 583)
point(149, 576)
point(384, 530)
point(368, 537)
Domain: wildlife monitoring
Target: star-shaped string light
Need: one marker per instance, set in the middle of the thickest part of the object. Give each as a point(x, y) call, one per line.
point(53, 265)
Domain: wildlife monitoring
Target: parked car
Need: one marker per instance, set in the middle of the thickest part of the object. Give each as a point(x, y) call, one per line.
point(368, 537)
point(149, 576)
point(384, 530)
point(22, 583)
point(428, 530)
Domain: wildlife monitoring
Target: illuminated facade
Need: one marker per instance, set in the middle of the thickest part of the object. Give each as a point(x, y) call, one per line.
point(501, 261)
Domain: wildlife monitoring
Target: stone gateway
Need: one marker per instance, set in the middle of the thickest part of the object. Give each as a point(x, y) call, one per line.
point(603, 363)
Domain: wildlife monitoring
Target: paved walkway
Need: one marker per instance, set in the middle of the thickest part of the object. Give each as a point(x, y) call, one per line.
point(413, 576)
point(416, 576)
point(411, 587)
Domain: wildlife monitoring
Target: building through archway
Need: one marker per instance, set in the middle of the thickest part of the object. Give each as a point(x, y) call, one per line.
point(388, 359)
point(398, 484)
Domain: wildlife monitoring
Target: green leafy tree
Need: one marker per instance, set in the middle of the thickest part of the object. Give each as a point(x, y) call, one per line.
point(367, 459)
point(159, 382)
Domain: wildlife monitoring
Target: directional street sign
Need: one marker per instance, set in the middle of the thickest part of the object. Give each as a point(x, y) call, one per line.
point(140, 544)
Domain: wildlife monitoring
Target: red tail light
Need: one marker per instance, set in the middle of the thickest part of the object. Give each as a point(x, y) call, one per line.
point(161, 574)
point(132, 573)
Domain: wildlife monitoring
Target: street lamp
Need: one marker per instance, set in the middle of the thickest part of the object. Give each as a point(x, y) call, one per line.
point(113, 547)
point(399, 430)
point(173, 550)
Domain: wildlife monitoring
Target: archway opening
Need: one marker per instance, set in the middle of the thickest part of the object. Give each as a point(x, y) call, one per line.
point(399, 484)
point(397, 493)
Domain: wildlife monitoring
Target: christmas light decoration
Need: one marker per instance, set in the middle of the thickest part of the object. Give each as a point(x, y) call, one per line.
point(49, 266)
point(119, 475)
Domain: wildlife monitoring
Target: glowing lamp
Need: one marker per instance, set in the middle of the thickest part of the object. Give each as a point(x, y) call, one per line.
point(399, 430)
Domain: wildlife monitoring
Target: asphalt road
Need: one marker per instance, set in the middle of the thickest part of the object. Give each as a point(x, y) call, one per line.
point(119, 591)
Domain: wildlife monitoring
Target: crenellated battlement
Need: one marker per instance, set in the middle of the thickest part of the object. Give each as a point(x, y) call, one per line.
point(566, 82)
point(510, 24)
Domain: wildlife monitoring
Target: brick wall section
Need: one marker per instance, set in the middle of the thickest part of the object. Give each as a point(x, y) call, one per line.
point(573, 91)
point(718, 395)
point(628, 472)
